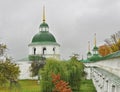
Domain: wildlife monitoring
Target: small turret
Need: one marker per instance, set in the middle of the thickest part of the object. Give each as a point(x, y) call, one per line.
point(89, 54)
point(44, 26)
point(95, 48)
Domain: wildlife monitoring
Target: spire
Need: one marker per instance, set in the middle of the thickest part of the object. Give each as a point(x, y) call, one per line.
point(95, 48)
point(89, 53)
point(82, 57)
point(43, 13)
point(88, 46)
point(95, 39)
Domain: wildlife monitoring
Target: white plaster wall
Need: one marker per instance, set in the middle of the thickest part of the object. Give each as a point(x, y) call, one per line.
point(88, 71)
point(48, 52)
point(111, 65)
point(49, 49)
point(24, 70)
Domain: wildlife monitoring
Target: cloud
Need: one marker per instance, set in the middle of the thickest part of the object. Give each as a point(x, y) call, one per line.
point(73, 22)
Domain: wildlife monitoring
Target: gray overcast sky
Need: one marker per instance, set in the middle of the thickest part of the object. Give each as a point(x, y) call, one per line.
point(73, 22)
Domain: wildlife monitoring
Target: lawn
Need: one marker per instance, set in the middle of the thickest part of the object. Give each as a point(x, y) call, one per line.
point(32, 86)
point(23, 86)
point(87, 86)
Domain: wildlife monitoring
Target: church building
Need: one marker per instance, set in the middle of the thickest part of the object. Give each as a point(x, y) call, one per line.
point(43, 43)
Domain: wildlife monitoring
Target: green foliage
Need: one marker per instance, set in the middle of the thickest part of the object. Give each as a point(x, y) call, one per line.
point(52, 66)
point(35, 67)
point(87, 86)
point(24, 86)
point(9, 71)
point(76, 71)
point(70, 71)
point(34, 57)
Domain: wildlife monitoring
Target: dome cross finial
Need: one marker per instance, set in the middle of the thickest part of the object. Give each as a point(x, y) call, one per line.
point(43, 13)
point(88, 46)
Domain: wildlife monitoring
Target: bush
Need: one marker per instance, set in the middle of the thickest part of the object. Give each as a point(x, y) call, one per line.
point(70, 71)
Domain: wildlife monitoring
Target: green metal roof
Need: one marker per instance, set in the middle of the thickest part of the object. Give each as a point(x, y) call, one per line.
point(95, 48)
point(112, 77)
point(43, 36)
point(89, 53)
point(44, 25)
point(97, 57)
point(43, 43)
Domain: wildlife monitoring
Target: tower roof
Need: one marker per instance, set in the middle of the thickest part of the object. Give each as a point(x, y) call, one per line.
point(89, 53)
point(43, 25)
point(43, 36)
point(95, 48)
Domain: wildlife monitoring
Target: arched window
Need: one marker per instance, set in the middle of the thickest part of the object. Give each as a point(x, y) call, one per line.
point(54, 50)
point(44, 50)
point(34, 51)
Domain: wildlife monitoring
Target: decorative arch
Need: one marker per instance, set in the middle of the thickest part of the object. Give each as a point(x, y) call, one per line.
point(43, 50)
point(34, 50)
point(54, 50)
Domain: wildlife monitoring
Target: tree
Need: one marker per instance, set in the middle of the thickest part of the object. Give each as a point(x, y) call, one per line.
point(51, 66)
point(104, 50)
point(9, 71)
point(70, 71)
point(76, 72)
point(114, 42)
point(35, 66)
point(60, 85)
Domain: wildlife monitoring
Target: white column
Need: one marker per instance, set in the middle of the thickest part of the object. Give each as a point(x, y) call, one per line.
point(113, 88)
point(117, 89)
point(109, 86)
point(105, 86)
point(103, 83)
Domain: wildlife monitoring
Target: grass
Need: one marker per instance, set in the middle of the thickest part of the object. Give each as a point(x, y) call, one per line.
point(23, 86)
point(87, 86)
point(32, 86)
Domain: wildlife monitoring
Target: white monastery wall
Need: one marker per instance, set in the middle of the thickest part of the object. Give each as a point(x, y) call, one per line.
point(104, 80)
point(24, 70)
point(111, 65)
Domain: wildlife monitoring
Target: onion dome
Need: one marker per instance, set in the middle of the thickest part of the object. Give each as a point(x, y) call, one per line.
point(43, 35)
point(95, 48)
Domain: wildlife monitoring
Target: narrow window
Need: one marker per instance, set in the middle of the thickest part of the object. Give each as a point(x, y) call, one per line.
point(44, 50)
point(34, 50)
point(54, 50)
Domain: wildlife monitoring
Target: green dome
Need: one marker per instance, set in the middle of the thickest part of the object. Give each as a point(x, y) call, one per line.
point(44, 25)
point(43, 36)
point(95, 48)
point(89, 53)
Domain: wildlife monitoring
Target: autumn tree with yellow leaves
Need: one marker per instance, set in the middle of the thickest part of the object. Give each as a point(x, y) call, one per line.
point(114, 42)
point(104, 50)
